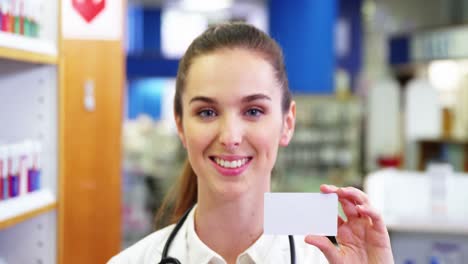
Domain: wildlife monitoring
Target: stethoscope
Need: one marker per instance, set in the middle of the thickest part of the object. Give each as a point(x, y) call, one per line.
point(170, 260)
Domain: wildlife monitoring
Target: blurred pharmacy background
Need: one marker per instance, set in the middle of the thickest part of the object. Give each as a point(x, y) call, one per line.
point(382, 104)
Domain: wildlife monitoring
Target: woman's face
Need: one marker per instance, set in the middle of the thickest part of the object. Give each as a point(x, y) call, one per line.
point(233, 122)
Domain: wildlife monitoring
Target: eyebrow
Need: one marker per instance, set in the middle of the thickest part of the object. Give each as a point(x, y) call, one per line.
point(246, 99)
point(203, 99)
point(255, 97)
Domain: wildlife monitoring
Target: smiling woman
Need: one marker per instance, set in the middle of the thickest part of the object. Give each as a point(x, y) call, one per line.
point(236, 123)
point(233, 111)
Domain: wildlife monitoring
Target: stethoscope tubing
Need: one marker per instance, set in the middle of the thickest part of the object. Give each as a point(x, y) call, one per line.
point(170, 260)
point(174, 233)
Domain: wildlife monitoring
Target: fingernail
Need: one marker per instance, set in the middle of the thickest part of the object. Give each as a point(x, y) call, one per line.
point(331, 186)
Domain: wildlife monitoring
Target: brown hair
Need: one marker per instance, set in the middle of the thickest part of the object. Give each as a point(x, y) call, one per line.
point(223, 36)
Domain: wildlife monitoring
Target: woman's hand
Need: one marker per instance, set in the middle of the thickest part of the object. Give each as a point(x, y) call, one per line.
point(363, 238)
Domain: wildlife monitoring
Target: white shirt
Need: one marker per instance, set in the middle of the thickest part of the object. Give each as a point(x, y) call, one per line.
point(189, 249)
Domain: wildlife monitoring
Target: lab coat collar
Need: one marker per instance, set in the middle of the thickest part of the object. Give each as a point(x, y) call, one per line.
point(188, 248)
point(260, 250)
point(198, 252)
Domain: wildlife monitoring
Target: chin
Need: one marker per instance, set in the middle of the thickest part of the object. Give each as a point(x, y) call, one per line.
point(231, 191)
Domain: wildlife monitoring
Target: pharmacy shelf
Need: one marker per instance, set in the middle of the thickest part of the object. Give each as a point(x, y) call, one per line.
point(19, 209)
point(20, 48)
point(455, 228)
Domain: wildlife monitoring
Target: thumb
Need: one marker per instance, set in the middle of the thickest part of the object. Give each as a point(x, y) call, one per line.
point(325, 245)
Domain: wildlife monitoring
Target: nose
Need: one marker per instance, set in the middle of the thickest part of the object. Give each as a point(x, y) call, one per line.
point(230, 132)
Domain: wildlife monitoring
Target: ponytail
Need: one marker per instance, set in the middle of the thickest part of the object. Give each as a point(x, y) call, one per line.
point(180, 197)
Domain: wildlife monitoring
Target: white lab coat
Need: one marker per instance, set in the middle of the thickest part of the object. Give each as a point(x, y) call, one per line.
point(189, 249)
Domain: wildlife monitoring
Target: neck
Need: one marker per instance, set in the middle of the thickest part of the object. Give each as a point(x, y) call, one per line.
point(229, 227)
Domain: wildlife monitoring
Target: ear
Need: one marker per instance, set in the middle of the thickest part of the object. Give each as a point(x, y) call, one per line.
point(180, 129)
point(288, 125)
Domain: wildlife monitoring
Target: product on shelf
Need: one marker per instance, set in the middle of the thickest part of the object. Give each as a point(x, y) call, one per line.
point(20, 168)
point(13, 170)
point(1, 15)
point(27, 20)
point(20, 17)
point(11, 16)
point(6, 17)
point(3, 173)
point(15, 12)
point(34, 166)
point(23, 168)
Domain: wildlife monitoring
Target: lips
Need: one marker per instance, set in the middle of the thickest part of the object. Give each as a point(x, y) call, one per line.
point(231, 165)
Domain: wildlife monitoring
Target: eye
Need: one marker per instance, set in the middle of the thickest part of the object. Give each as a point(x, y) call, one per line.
point(206, 113)
point(254, 112)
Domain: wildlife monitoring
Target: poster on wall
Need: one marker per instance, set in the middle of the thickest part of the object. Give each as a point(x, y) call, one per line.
point(92, 19)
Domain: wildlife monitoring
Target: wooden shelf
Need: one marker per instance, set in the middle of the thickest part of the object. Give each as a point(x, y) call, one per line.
point(20, 48)
point(444, 141)
point(453, 151)
point(19, 209)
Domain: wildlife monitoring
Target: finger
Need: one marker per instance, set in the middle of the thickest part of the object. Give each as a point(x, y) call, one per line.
point(377, 220)
point(325, 188)
point(353, 194)
point(325, 245)
point(349, 208)
point(341, 221)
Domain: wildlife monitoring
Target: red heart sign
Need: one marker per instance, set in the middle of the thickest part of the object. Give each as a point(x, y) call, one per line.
point(89, 9)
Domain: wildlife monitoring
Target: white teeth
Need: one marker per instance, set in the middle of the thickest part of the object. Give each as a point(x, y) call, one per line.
point(231, 164)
